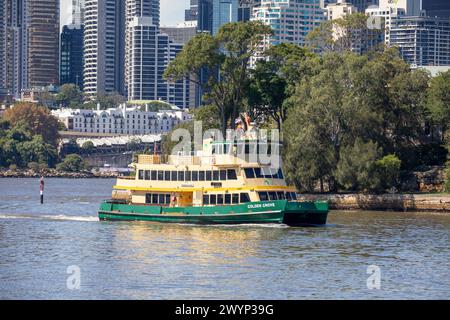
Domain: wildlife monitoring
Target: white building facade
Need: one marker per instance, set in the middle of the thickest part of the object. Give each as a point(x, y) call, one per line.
point(121, 121)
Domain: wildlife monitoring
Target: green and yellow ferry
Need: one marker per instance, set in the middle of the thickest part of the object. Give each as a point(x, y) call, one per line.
point(213, 186)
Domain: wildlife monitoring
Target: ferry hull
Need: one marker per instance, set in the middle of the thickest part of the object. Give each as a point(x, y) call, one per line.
point(281, 211)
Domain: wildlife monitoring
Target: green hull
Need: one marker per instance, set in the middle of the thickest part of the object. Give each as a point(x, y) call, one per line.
point(280, 211)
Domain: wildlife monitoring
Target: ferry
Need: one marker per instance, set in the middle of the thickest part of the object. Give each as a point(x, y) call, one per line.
point(211, 186)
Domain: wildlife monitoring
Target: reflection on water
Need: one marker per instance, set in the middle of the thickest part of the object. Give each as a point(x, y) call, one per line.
point(128, 260)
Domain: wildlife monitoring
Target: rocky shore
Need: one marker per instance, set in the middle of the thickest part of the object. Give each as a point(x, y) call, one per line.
point(384, 202)
point(51, 173)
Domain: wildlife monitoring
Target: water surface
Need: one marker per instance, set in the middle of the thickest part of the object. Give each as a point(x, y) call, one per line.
point(129, 260)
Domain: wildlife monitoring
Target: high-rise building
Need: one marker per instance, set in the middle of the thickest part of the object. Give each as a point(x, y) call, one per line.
point(224, 11)
point(13, 50)
point(422, 41)
point(361, 5)
point(78, 12)
point(30, 44)
point(72, 44)
point(43, 42)
point(291, 20)
point(182, 32)
point(388, 11)
point(104, 47)
point(148, 54)
point(437, 8)
point(3, 47)
point(191, 14)
point(245, 9)
point(137, 8)
point(205, 16)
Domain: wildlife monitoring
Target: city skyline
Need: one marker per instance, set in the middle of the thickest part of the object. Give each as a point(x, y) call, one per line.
point(170, 14)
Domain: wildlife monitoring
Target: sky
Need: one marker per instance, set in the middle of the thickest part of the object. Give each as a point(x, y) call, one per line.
point(172, 11)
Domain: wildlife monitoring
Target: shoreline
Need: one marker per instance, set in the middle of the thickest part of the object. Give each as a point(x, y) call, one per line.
point(383, 202)
point(56, 174)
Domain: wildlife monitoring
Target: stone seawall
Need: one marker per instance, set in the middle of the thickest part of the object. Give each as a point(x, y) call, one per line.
point(385, 202)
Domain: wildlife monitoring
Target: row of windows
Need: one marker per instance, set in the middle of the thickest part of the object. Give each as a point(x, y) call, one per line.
point(228, 198)
point(277, 195)
point(252, 173)
point(202, 175)
point(157, 198)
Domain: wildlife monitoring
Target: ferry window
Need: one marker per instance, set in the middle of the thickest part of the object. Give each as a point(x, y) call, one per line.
point(280, 195)
point(180, 175)
point(272, 195)
point(147, 175)
point(220, 199)
point(249, 173)
point(223, 174)
point(174, 176)
point(208, 175)
point(201, 176)
point(167, 198)
point(155, 198)
point(258, 173)
point(194, 175)
point(235, 198)
point(231, 174)
point(294, 196)
point(289, 196)
point(266, 173)
point(280, 174)
point(188, 175)
point(227, 198)
point(160, 175)
point(245, 198)
point(167, 175)
point(141, 174)
point(161, 199)
point(205, 199)
point(213, 199)
point(153, 177)
point(148, 198)
point(216, 174)
point(263, 196)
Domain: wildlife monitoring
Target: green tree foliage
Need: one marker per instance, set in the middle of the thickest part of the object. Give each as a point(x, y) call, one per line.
point(226, 57)
point(343, 35)
point(356, 169)
point(274, 78)
point(36, 119)
point(70, 96)
point(388, 170)
point(20, 147)
point(72, 163)
point(439, 100)
point(88, 146)
point(349, 98)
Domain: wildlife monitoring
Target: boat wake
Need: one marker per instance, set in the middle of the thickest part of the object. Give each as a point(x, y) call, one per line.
point(50, 217)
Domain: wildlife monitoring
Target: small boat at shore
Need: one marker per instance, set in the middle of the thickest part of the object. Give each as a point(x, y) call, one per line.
point(212, 186)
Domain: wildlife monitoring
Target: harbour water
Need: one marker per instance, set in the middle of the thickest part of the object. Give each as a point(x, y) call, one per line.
point(42, 248)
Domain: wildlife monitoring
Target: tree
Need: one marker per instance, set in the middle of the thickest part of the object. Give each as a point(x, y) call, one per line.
point(274, 79)
point(110, 100)
point(438, 101)
point(349, 33)
point(70, 96)
point(88, 146)
point(388, 169)
point(225, 58)
point(356, 169)
point(72, 163)
point(37, 120)
point(36, 150)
